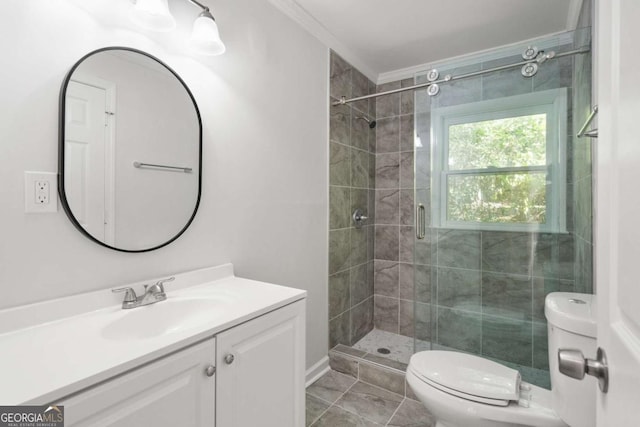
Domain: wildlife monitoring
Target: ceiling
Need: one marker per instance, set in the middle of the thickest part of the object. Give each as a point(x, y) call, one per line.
point(387, 35)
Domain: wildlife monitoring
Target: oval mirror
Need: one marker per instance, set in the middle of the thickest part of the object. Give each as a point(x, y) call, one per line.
point(130, 150)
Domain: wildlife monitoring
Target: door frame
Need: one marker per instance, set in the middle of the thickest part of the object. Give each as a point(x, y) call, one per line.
point(617, 206)
point(109, 149)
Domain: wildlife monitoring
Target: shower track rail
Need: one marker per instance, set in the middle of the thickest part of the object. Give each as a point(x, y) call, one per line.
point(449, 78)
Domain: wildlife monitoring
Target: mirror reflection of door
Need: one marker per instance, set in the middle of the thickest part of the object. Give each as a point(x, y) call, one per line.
point(89, 125)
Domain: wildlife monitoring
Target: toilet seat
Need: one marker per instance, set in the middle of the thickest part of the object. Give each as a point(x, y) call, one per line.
point(467, 376)
point(479, 399)
point(462, 399)
point(449, 401)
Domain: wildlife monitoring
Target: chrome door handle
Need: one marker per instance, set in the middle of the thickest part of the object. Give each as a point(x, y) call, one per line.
point(572, 363)
point(421, 230)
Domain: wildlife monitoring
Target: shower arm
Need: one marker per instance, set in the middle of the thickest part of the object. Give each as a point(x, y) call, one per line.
point(448, 78)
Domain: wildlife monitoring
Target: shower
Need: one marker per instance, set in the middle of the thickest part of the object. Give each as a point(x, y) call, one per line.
point(447, 261)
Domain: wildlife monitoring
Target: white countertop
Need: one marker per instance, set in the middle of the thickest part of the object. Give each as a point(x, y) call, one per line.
point(52, 349)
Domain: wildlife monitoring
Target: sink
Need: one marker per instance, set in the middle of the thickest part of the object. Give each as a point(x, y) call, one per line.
point(164, 317)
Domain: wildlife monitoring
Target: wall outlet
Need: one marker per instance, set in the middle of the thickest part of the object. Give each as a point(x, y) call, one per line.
point(40, 192)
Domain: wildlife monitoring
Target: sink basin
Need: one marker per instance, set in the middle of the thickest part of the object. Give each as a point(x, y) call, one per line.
point(164, 317)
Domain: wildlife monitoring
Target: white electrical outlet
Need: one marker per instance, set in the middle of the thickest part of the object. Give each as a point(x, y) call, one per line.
point(40, 192)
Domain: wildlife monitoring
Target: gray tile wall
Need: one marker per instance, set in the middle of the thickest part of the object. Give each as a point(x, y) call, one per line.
point(583, 157)
point(394, 223)
point(351, 186)
point(476, 291)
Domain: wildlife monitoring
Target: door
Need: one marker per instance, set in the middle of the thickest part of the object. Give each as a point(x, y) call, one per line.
point(85, 144)
point(174, 391)
point(618, 208)
point(260, 377)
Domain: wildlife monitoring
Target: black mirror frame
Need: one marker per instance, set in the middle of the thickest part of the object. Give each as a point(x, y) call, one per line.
point(61, 151)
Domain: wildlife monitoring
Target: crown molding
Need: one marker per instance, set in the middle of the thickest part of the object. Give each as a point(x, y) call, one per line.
point(299, 15)
point(294, 11)
point(544, 42)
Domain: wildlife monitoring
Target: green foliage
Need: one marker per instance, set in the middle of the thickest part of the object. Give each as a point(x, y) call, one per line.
point(509, 142)
point(498, 196)
point(513, 198)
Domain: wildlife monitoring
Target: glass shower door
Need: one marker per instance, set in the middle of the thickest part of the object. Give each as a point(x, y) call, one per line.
point(500, 186)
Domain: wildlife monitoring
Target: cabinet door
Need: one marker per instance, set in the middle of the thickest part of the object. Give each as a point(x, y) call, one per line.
point(173, 391)
point(260, 378)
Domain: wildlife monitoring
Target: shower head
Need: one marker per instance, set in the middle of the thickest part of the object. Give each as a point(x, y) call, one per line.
point(372, 123)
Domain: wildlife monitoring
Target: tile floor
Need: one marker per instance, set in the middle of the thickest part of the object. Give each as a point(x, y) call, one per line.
point(338, 400)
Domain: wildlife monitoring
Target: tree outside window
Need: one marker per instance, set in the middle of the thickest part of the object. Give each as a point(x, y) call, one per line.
point(500, 164)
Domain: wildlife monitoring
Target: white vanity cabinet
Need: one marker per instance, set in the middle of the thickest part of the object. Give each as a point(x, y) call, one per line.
point(258, 380)
point(172, 391)
point(260, 377)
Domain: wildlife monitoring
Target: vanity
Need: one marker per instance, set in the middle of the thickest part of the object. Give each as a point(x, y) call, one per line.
point(219, 351)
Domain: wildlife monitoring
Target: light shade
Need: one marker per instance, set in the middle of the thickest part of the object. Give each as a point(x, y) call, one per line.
point(153, 15)
point(205, 38)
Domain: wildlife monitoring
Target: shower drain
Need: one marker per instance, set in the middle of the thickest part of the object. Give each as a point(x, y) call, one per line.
point(383, 350)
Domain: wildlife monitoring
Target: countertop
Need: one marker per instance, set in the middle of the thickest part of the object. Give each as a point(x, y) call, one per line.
point(56, 348)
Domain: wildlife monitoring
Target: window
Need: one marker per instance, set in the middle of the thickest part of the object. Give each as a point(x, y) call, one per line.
point(500, 164)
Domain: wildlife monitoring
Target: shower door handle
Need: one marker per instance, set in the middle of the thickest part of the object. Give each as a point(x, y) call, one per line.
point(421, 228)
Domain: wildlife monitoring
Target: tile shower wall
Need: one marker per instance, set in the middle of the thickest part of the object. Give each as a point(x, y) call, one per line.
point(476, 291)
point(394, 221)
point(582, 161)
point(351, 186)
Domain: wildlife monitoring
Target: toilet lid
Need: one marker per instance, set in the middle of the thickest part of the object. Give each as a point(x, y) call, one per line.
point(467, 376)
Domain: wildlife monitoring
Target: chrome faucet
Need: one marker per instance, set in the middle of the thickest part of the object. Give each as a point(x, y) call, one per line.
point(152, 294)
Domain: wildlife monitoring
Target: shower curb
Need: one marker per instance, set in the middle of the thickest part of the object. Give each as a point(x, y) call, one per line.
point(378, 371)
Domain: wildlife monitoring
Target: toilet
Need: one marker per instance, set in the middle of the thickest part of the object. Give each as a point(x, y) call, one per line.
point(463, 390)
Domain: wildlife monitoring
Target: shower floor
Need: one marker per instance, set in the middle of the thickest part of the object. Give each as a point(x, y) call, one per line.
point(401, 348)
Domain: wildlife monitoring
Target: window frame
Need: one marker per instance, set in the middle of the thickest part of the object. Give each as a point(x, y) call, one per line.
point(553, 103)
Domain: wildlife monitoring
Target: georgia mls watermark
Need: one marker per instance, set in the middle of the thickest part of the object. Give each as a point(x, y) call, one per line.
point(32, 416)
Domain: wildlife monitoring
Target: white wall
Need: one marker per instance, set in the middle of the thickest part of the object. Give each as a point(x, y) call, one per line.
point(264, 109)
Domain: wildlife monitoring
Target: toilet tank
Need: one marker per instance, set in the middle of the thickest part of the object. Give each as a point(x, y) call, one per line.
point(571, 324)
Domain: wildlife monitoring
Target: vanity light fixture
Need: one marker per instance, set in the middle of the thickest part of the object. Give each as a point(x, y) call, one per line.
point(205, 37)
point(154, 15)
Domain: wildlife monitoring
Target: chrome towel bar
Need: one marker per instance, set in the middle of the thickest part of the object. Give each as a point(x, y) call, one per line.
point(151, 165)
point(593, 133)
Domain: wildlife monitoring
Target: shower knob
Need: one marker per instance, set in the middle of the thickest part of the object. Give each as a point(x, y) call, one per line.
point(358, 218)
